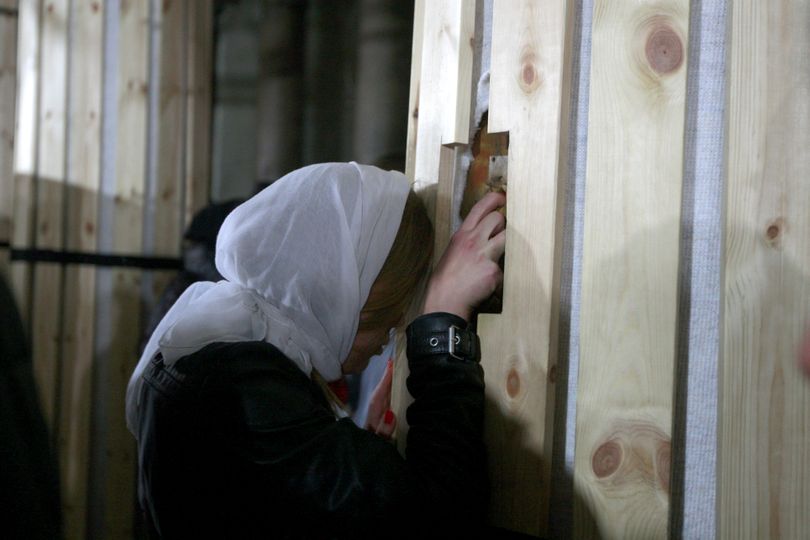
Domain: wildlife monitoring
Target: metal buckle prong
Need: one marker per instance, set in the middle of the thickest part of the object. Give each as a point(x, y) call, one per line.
point(453, 339)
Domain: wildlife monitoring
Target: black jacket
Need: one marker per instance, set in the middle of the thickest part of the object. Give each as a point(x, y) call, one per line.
point(236, 442)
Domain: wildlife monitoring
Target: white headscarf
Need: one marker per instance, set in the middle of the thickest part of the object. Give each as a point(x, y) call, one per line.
point(298, 260)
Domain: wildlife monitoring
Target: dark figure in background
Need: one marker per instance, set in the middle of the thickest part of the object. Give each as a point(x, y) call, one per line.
point(29, 485)
point(199, 250)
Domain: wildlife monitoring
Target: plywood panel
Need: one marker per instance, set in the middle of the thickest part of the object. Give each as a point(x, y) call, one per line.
point(763, 464)
point(530, 78)
point(629, 268)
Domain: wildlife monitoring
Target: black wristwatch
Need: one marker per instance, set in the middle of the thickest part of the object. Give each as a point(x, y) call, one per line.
point(442, 334)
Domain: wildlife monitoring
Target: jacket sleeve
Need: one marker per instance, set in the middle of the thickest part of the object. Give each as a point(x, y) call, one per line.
point(349, 480)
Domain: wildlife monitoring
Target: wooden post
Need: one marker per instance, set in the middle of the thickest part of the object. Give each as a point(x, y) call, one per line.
point(630, 269)
point(763, 465)
point(530, 80)
point(8, 89)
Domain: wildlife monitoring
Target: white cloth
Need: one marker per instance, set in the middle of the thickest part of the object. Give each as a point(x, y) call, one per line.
point(298, 260)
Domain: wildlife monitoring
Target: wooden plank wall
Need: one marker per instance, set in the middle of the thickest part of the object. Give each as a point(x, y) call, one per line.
point(630, 268)
point(763, 470)
point(58, 211)
point(529, 89)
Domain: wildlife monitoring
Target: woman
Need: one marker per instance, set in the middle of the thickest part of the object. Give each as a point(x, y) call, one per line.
point(237, 438)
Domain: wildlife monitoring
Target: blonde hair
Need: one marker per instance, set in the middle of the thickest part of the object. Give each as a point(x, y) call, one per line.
point(406, 265)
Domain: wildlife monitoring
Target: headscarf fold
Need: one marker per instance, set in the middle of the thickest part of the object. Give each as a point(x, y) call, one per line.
point(299, 260)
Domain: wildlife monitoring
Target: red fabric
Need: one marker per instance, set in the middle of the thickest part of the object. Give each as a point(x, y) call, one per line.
point(341, 389)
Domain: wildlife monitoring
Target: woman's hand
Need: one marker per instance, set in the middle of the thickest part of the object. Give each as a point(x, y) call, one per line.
point(380, 418)
point(468, 272)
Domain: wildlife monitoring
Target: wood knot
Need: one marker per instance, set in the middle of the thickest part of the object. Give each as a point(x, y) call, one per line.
point(95, 7)
point(552, 374)
point(773, 232)
point(529, 77)
point(663, 461)
point(664, 49)
point(512, 383)
point(606, 459)
point(89, 228)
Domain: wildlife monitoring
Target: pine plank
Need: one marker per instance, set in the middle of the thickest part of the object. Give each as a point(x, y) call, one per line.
point(530, 77)
point(78, 319)
point(629, 268)
point(50, 178)
point(763, 461)
point(444, 104)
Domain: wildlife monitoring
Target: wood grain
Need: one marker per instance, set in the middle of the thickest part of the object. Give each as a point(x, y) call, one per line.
point(629, 269)
point(50, 178)
point(530, 77)
point(763, 463)
point(78, 310)
point(446, 94)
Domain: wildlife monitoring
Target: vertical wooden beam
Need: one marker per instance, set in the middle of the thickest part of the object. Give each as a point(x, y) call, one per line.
point(78, 315)
point(199, 46)
point(415, 88)
point(127, 235)
point(51, 146)
point(530, 81)
point(443, 53)
point(763, 464)
point(629, 268)
point(445, 93)
point(8, 89)
point(25, 148)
